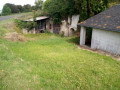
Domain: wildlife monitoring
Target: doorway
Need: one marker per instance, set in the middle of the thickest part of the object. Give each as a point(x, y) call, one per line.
point(88, 36)
point(56, 28)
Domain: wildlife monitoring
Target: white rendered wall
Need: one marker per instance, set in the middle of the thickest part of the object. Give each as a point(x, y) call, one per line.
point(82, 35)
point(74, 22)
point(106, 40)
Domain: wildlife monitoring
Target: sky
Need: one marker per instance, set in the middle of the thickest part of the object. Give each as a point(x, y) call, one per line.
point(16, 2)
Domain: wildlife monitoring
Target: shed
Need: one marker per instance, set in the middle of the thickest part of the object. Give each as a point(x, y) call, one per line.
point(41, 23)
point(105, 30)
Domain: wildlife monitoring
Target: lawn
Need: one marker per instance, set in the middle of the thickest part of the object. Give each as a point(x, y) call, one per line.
point(50, 62)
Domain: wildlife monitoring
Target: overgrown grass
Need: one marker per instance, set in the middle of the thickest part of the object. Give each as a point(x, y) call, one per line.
point(49, 62)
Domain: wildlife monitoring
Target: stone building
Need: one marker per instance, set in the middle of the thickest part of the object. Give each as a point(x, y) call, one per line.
point(41, 23)
point(68, 27)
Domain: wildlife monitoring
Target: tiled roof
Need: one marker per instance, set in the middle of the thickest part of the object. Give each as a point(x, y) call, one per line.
point(106, 20)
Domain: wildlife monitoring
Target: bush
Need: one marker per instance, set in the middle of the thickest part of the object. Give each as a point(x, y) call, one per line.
point(30, 25)
point(20, 24)
point(27, 25)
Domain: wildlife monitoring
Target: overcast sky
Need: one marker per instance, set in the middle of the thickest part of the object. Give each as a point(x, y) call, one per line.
point(17, 2)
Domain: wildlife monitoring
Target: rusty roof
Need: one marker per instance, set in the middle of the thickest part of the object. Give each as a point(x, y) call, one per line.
point(106, 20)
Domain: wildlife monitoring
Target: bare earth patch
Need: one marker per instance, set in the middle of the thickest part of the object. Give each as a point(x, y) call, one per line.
point(100, 52)
point(14, 36)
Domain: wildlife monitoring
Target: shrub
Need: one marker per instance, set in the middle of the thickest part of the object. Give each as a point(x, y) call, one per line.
point(20, 24)
point(30, 26)
point(27, 25)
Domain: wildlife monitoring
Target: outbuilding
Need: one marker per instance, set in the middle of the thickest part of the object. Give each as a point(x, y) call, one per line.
point(66, 28)
point(41, 23)
point(105, 33)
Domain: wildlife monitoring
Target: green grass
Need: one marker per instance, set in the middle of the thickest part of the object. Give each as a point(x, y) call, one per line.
point(49, 62)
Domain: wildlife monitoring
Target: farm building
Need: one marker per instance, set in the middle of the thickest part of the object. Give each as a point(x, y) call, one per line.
point(105, 31)
point(45, 23)
point(41, 23)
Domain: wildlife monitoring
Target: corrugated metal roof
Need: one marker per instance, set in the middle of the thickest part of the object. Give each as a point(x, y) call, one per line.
point(38, 18)
point(106, 20)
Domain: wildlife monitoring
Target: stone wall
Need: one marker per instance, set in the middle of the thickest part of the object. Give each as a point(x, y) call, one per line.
point(30, 32)
point(49, 25)
point(64, 28)
point(69, 26)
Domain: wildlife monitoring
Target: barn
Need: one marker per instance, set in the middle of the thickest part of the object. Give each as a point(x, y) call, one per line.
point(105, 31)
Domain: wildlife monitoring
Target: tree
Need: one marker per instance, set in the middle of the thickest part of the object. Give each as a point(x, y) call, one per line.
point(27, 8)
point(6, 10)
point(59, 9)
point(88, 8)
point(14, 8)
point(38, 4)
point(20, 8)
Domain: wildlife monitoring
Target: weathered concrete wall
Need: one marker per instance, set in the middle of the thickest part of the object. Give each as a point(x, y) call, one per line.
point(49, 25)
point(64, 28)
point(82, 35)
point(30, 32)
point(106, 40)
point(74, 22)
point(24, 31)
point(68, 27)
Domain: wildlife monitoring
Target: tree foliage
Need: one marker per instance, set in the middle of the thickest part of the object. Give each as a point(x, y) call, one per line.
point(59, 9)
point(6, 10)
point(19, 8)
point(27, 8)
point(88, 8)
point(13, 8)
point(38, 4)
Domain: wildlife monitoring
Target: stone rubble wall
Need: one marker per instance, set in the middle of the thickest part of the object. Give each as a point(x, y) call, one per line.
point(69, 26)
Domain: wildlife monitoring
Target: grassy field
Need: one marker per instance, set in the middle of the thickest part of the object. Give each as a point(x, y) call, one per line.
point(51, 62)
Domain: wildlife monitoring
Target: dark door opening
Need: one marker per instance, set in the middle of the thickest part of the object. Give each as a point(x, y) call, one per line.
point(88, 36)
point(56, 28)
point(41, 26)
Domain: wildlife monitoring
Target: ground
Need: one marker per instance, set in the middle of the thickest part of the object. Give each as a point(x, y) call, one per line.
point(50, 62)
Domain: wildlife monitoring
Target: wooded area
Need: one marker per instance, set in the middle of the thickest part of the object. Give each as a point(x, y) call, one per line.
point(9, 8)
point(59, 9)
